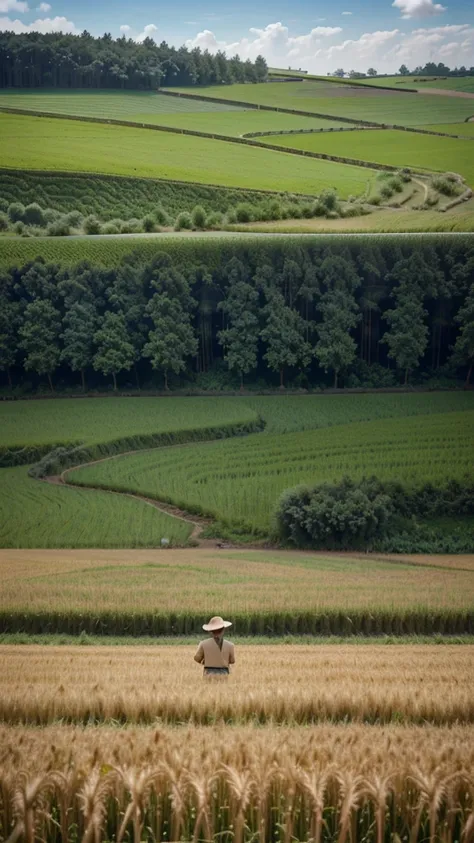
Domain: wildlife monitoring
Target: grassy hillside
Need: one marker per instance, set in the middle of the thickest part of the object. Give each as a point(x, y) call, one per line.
point(348, 101)
point(402, 149)
point(449, 83)
point(43, 144)
point(151, 107)
point(466, 129)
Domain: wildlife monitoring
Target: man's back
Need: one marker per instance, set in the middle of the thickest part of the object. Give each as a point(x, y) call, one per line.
point(211, 655)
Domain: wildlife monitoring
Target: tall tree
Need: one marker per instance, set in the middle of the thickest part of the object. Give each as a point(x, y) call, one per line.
point(172, 339)
point(80, 324)
point(284, 336)
point(336, 348)
point(463, 351)
point(115, 352)
point(240, 339)
point(408, 335)
point(9, 319)
point(39, 335)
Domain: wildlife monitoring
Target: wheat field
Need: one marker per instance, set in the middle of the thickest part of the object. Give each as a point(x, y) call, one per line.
point(325, 783)
point(278, 684)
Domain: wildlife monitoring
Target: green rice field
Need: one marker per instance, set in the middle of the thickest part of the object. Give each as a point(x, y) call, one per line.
point(239, 482)
point(37, 514)
point(40, 143)
point(449, 83)
point(392, 147)
point(150, 107)
point(466, 129)
point(349, 101)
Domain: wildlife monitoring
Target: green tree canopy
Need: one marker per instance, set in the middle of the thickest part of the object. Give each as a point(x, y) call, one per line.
point(115, 352)
point(39, 338)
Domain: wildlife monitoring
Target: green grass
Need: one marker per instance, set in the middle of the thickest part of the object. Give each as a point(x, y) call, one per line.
point(147, 107)
point(104, 420)
point(239, 482)
point(466, 129)
point(44, 144)
point(35, 514)
point(450, 83)
point(85, 640)
point(110, 197)
point(396, 148)
point(348, 101)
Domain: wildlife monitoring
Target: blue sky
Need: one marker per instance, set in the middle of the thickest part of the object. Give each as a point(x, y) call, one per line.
point(316, 36)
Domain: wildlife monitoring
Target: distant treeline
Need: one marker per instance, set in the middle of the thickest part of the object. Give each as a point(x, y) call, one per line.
point(369, 313)
point(57, 60)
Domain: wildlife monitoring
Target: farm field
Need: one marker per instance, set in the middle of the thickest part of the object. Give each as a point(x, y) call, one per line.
point(466, 129)
point(148, 107)
point(240, 482)
point(312, 782)
point(449, 83)
point(339, 100)
point(36, 143)
point(315, 684)
point(135, 422)
point(113, 591)
point(402, 149)
point(36, 514)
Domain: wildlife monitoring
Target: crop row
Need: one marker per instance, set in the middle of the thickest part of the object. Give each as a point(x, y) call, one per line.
point(246, 784)
point(239, 482)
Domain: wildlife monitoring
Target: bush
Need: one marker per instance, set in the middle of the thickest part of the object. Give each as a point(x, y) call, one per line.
point(3, 221)
point(198, 216)
point(244, 212)
point(446, 184)
point(109, 228)
point(161, 216)
point(328, 198)
point(183, 220)
point(16, 211)
point(231, 216)
point(34, 215)
point(294, 211)
point(3, 204)
point(215, 220)
point(148, 223)
point(91, 225)
point(341, 515)
point(374, 376)
point(395, 184)
point(51, 215)
point(59, 228)
point(74, 219)
point(386, 191)
point(375, 199)
point(19, 227)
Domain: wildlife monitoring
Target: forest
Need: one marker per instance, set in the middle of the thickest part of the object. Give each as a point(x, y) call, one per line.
point(218, 316)
point(57, 60)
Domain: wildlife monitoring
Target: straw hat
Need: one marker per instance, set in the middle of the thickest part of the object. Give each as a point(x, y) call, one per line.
point(216, 623)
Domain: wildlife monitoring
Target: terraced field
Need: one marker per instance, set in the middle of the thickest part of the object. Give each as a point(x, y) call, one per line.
point(351, 101)
point(150, 107)
point(466, 129)
point(240, 482)
point(395, 148)
point(42, 144)
point(449, 83)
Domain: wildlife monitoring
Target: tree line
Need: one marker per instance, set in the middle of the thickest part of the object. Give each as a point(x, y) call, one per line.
point(296, 314)
point(58, 60)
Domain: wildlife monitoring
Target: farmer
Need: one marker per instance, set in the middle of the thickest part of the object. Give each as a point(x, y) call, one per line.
point(215, 653)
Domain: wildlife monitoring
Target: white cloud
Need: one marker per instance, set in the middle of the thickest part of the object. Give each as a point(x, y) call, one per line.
point(13, 6)
point(148, 31)
point(419, 8)
point(449, 29)
point(56, 24)
point(346, 13)
point(44, 7)
point(448, 49)
point(125, 28)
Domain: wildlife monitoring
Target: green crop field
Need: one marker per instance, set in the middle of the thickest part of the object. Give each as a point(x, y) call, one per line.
point(149, 107)
point(36, 514)
point(402, 149)
point(449, 83)
point(43, 144)
point(239, 482)
point(466, 129)
point(348, 101)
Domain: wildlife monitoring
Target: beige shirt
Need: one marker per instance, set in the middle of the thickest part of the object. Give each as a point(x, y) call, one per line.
point(210, 654)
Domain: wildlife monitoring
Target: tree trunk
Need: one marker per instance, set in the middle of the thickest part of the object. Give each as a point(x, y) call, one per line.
point(335, 378)
point(166, 381)
point(136, 375)
point(369, 339)
point(9, 376)
point(282, 385)
point(83, 380)
point(406, 376)
point(50, 382)
point(241, 381)
point(115, 381)
point(468, 377)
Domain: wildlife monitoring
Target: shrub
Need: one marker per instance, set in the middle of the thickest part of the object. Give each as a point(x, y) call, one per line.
point(386, 191)
point(198, 216)
point(352, 211)
point(34, 215)
point(307, 211)
point(51, 215)
point(183, 220)
point(294, 211)
point(375, 199)
point(244, 212)
point(148, 222)
point(319, 210)
point(404, 174)
point(3, 221)
point(231, 216)
point(446, 184)
point(59, 228)
point(3, 204)
point(161, 216)
point(328, 198)
point(16, 211)
point(74, 218)
point(215, 220)
point(109, 228)
point(19, 227)
point(396, 184)
point(91, 225)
